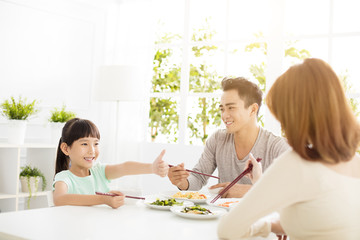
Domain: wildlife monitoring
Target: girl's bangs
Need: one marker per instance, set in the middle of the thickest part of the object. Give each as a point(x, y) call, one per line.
point(84, 129)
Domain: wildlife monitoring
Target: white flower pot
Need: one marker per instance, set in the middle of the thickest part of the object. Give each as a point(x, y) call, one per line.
point(56, 130)
point(16, 131)
point(32, 184)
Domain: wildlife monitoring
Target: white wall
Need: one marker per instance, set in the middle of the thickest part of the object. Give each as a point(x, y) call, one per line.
point(51, 50)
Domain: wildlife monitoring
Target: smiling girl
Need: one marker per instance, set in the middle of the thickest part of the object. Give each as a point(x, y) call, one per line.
point(79, 176)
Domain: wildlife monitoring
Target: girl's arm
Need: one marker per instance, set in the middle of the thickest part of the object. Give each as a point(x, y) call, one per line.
point(158, 167)
point(62, 198)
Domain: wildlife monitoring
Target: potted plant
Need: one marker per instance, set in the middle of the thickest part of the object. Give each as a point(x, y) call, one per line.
point(57, 121)
point(17, 112)
point(30, 178)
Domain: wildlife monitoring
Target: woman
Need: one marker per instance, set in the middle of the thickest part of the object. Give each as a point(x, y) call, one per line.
point(315, 186)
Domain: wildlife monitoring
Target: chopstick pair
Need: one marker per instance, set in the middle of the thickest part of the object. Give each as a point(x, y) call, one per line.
point(197, 172)
point(114, 194)
point(246, 171)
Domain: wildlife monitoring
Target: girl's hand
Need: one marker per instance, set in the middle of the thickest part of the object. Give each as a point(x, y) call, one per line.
point(115, 201)
point(256, 171)
point(159, 166)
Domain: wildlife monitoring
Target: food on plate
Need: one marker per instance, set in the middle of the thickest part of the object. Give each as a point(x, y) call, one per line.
point(167, 202)
point(189, 195)
point(197, 209)
point(227, 204)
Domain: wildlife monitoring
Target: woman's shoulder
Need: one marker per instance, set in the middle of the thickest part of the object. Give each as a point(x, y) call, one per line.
point(290, 157)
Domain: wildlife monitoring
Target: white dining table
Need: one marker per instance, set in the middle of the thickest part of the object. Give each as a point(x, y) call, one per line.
point(132, 221)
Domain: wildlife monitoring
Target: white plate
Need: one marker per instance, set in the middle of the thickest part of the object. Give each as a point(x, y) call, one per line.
point(170, 194)
point(224, 200)
point(150, 199)
point(216, 212)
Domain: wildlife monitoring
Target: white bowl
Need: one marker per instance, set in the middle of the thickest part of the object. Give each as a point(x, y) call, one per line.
point(215, 190)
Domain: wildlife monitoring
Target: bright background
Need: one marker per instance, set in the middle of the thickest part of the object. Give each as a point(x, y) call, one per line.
point(51, 50)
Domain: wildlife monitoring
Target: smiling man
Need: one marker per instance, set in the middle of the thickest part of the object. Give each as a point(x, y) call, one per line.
point(229, 149)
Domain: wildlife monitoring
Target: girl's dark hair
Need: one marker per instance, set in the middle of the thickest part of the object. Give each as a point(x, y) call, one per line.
point(248, 91)
point(73, 130)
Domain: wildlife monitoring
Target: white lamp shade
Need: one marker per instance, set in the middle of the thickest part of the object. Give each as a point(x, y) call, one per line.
point(119, 83)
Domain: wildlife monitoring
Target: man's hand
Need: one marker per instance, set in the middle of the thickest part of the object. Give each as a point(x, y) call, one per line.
point(178, 176)
point(236, 191)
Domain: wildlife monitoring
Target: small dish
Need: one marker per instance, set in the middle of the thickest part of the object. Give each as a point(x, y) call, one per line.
point(226, 203)
point(170, 194)
point(215, 212)
point(150, 199)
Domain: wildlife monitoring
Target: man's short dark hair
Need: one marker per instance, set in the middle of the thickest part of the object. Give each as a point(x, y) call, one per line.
point(248, 91)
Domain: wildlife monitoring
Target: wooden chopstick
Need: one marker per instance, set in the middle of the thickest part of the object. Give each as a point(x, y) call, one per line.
point(197, 172)
point(114, 194)
point(246, 171)
point(141, 198)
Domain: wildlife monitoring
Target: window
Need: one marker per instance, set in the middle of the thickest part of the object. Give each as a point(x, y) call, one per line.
point(198, 42)
point(330, 31)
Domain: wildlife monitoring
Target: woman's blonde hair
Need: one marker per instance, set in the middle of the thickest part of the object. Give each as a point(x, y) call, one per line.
point(310, 103)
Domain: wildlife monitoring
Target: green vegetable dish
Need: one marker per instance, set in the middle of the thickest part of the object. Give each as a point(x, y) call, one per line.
point(197, 209)
point(168, 202)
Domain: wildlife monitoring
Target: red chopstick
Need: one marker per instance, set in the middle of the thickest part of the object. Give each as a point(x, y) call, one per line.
point(246, 171)
point(114, 194)
point(197, 172)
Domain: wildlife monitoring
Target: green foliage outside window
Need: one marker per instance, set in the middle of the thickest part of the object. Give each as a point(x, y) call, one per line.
point(258, 70)
point(163, 112)
point(166, 78)
point(354, 103)
point(164, 118)
point(204, 79)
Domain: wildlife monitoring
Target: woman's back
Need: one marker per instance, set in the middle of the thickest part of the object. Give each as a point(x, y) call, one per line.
point(329, 204)
point(314, 202)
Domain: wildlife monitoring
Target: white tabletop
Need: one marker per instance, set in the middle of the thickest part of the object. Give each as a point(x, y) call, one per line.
point(131, 221)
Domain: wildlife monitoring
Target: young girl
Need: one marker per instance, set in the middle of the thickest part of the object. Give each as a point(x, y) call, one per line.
point(78, 176)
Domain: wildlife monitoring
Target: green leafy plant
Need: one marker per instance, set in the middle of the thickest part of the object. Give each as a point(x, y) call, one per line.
point(28, 172)
point(258, 70)
point(164, 117)
point(18, 110)
point(203, 79)
point(61, 115)
point(348, 87)
point(163, 111)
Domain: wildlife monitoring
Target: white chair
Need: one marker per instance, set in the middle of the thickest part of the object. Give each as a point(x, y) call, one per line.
point(50, 199)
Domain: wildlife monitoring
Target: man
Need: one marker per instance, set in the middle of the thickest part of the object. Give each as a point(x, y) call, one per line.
point(228, 150)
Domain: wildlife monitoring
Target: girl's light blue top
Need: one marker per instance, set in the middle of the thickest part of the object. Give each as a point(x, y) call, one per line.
point(95, 182)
